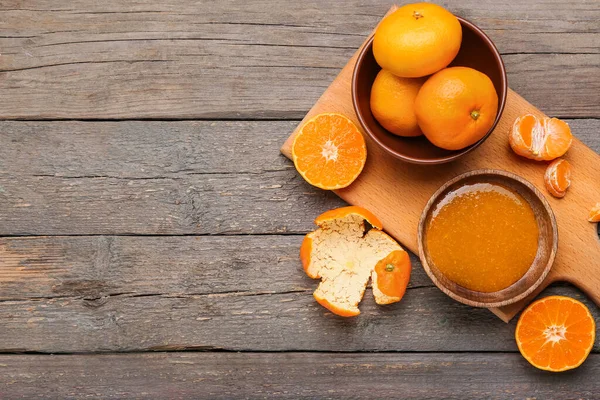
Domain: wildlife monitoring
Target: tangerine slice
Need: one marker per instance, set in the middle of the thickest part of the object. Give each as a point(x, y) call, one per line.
point(329, 151)
point(558, 177)
point(595, 213)
point(556, 333)
point(540, 138)
point(345, 251)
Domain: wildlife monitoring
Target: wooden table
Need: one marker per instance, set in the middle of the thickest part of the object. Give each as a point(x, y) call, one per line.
point(150, 227)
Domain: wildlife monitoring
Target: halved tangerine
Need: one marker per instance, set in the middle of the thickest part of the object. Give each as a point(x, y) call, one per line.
point(558, 177)
point(556, 333)
point(540, 138)
point(595, 213)
point(329, 151)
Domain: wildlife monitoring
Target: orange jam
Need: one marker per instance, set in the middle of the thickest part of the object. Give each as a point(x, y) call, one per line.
point(482, 236)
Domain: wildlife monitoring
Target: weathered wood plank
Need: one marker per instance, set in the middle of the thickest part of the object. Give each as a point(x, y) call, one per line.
point(272, 202)
point(160, 178)
point(91, 267)
point(66, 294)
point(149, 149)
point(94, 294)
point(205, 60)
point(526, 72)
point(525, 26)
point(295, 376)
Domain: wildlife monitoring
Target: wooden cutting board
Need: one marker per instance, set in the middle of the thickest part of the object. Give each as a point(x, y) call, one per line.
point(397, 192)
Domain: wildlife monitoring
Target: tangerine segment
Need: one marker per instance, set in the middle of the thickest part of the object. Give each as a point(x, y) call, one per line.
point(595, 213)
point(540, 138)
point(556, 333)
point(329, 151)
point(390, 277)
point(558, 178)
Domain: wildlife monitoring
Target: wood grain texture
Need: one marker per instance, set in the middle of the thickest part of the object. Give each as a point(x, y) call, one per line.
point(91, 267)
point(124, 60)
point(293, 376)
point(97, 294)
point(149, 177)
point(385, 179)
point(174, 178)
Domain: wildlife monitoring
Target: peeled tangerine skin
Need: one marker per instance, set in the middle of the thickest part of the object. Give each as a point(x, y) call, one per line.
point(344, 257)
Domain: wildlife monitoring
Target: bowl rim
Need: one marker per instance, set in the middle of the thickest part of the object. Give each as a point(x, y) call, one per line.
point(474, 303)
point(368, 45)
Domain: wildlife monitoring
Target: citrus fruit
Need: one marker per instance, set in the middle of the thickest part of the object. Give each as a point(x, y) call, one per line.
point(595, 213)
point(391, 276)
point(393, 103)
point(558, 177)
point(456, 107)
point(540, 138)
point(417, 40)
point(556, 333)
point(346, 251)
point(329, 151)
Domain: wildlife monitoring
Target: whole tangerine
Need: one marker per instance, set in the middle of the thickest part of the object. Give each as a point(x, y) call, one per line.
point(393, 103)
point(417, 40)
point(456, 107)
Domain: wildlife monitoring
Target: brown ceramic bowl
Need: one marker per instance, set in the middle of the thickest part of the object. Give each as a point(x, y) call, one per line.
point(547, 242)
point(477, 51)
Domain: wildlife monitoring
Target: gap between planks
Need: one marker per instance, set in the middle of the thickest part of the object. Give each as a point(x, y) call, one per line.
point(200, 119)
point(209, 349)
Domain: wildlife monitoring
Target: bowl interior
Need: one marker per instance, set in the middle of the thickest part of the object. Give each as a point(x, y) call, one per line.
point(547, 241)
point(476, 51)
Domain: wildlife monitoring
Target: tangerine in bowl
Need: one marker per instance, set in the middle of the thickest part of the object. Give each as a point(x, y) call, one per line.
point(477, 52)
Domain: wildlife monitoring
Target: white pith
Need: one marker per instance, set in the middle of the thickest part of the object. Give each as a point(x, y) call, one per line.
point(546, 135)
point(345, 258)
point(329, 151)
point(555, 333)
point(538, 136)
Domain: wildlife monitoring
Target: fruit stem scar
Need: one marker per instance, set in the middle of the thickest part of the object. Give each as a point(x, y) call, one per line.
point(389, 267)
point(417, 15)
point(475, 114)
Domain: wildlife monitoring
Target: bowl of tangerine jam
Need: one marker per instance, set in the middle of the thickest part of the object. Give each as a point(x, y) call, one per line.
point(487, 238)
